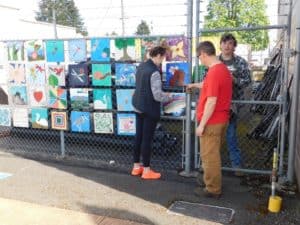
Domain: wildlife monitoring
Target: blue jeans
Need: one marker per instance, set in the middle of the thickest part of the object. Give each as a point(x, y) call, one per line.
point(232, 144)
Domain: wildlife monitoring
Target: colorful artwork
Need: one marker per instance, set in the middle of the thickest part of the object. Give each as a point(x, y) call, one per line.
point(100, 49)
point(78, 75)
point(125, 74)
point(3, 95)
point(37, 96)
point(15, 50)
point(123, 49)
point(39, 118)
point(79, 98)
point(146, 45)
point(56, 75)
point(35, 50)
point(16, 73)
point(77, 50)
point(35, 74)
point(102, 99)
point(58, 98)
point(103, 123)
point(18, 95)
point(177, 74)
point(175, 107)
point(80, 121)
point(59, 120)
point(126, 123)
point(101, 75)
point(20, 117)
point(178, 49)
point(55, 51)
point(5, 117)
point(124, 99)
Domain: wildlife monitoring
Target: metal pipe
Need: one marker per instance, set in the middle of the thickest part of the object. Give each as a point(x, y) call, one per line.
point(196, 79)
point(286, 56)
point(257, 102)
point(112, 37)
point(248, 170)
point(243, 28)
point(294, 112)
point(187, 168)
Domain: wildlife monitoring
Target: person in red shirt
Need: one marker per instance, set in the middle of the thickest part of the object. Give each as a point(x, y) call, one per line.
point(212, 115)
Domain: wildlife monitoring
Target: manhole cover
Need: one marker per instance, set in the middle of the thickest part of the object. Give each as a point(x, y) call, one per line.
point(201, 211)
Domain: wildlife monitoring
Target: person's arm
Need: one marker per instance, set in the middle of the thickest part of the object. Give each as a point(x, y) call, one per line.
point(209, 108)
point(194, 85)
point(244, 77)
point(156, 88)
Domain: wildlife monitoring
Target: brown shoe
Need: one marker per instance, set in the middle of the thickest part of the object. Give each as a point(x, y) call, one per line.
point(202, 192)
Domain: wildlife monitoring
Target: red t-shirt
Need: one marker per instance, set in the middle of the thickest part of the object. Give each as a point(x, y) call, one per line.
point(217, 83)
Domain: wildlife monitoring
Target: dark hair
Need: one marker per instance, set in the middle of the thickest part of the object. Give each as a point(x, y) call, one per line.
point(228, 37)
point(158, 50)
point(207, 47)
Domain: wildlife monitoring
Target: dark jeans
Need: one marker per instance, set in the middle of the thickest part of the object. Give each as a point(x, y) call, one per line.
point(145, 127)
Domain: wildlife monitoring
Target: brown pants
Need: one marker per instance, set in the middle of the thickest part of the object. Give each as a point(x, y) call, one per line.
point(210, 146)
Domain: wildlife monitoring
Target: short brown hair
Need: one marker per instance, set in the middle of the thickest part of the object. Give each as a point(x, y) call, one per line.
point(207, 47)
point(228, 37)
point(158, 50)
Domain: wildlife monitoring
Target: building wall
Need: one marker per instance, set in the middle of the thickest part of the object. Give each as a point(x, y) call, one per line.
point(295, 23)
point(16, 28)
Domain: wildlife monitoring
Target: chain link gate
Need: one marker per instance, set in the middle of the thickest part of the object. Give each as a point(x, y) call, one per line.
point(100, 149)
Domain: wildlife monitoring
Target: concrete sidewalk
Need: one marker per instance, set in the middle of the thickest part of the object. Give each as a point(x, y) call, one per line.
point(45, 193)
point(16, 212)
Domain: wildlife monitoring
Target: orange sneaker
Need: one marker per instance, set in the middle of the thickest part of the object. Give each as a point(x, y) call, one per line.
point(136, 171)
point(151, 175)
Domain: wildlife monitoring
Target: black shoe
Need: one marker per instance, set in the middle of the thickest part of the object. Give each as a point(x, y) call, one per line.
point(202, 192)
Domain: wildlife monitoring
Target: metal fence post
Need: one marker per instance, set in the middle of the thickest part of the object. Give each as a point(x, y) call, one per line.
point(187, 168)
point(294, 113)
point(287, 39)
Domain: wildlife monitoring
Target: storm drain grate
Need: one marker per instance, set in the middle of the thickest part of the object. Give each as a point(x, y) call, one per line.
point(201, 211)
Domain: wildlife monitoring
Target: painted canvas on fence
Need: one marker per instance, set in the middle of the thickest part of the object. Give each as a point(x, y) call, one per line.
point(18, 95)
point(103, 123)
point(5, 117)
point(38, 96)
point(77, 50)
point(126, 123)
point(100, 49)
point(39, 118)
point(177, 74)
point(56, 75)
point(178, 47)
point(16, 73)
point(55, 51)
point(175, 107)
point(124, 99)
point(146, 45)
point(125, 74)
point(102, 99)
point(15, 50)
point(80, 121)
point(101, 74)
point(35, 50)
point(79, 98)
point(78, 75)
point(123, 49)
point(3, 95)
point(58, 98)
point(35, 74)
point(20, 117)
point(59, 120)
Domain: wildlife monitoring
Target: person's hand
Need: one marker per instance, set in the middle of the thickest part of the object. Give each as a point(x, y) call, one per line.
point(200, 130)
point(188, 88)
